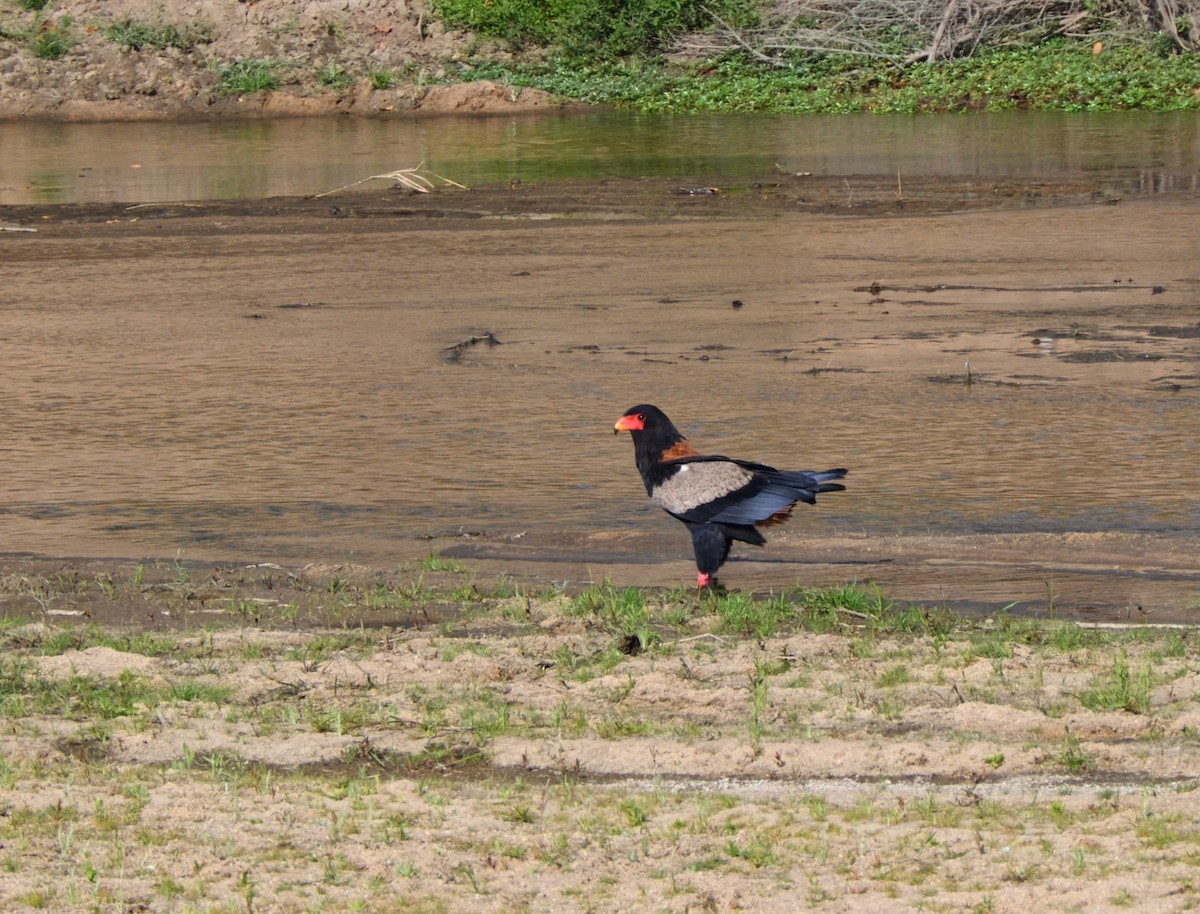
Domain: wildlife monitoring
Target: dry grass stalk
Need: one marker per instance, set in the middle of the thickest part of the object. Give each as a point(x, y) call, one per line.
point(414, 179)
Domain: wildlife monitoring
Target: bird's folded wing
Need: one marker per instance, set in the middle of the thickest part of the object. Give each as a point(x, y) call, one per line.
point(718, 490)
point(689, 484)
point(723, 491)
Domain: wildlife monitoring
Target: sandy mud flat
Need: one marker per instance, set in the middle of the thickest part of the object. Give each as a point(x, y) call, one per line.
point(293, 691)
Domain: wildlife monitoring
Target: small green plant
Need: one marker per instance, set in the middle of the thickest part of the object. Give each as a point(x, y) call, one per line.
point(520, 813)
point(889, 708)
point(743, 613)
point(39, 898)
point(1123, 899)
point(1074, 757)
point(466, 873)
point(1121, 690)
point(634, 812)
point(1176, 646)
point(332, 76)
point(169, 888)
point(893, 676)
point(381, 79)
point(817, 806)
point(334, 29)
point(758, 853)
point(613, 726)
point(245, 77)
point(759, 702)
point(50, 41)
point(625, 610)
point(1078, 862)
point(35, 5)
point(993, 644)
point(431, 562)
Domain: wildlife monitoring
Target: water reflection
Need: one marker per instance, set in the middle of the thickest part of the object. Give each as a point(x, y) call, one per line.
point(1139, 152)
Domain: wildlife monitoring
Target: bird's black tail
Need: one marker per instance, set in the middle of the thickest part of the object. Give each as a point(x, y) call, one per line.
point(808, 484)
point(823, 478)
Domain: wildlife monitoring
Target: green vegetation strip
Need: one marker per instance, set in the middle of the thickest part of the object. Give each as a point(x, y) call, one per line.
point(1058, 76)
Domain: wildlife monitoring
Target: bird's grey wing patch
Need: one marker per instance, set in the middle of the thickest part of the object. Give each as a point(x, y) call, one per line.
point(699, 482)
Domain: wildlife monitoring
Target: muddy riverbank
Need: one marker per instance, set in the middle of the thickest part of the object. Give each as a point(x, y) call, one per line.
point(1009, 369)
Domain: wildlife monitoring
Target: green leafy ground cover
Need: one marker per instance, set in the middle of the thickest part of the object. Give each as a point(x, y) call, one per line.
point(1059, 76)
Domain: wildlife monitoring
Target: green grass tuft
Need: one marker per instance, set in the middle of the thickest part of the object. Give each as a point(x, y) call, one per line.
point(381, 79)
point(49, 41)
point(332, 76)
point(136, 34)
point(431, 562)
point(623, 610)
point(245, 77)
point(1121, 690)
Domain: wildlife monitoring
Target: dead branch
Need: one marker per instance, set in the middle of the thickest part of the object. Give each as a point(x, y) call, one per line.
point(907, 31)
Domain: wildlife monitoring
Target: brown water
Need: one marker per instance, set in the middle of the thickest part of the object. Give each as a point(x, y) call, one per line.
point(1143, 152)
point(255, 388)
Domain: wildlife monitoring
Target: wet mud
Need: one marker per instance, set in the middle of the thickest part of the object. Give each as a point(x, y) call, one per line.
point(1010, 369)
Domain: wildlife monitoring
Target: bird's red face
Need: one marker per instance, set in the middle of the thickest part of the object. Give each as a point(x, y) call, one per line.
point(630, 422)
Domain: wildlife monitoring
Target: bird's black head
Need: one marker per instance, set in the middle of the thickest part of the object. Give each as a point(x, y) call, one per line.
point(651, 430)
point(646, 421)
point(655, 440)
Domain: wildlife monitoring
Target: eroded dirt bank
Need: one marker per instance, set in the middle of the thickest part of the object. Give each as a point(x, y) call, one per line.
point(98, 79)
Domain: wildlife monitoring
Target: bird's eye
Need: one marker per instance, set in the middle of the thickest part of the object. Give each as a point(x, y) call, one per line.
point(641, 417)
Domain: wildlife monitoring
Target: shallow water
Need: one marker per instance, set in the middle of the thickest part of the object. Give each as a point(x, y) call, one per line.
point(305, 376)
point(1139, 152)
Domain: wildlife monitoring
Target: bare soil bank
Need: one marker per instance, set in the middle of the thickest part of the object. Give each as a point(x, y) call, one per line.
point(98, 80)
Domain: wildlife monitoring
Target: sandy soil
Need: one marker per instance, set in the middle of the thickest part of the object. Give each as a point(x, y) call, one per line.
point(97, 80)
point(248, 745)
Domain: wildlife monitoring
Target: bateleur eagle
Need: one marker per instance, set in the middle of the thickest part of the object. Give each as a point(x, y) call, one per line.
point(719, 499)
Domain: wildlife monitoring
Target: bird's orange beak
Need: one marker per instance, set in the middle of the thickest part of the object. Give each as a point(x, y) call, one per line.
point(628, 424)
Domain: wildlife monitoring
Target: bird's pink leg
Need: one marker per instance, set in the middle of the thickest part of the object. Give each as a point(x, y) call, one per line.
point(703, 580)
